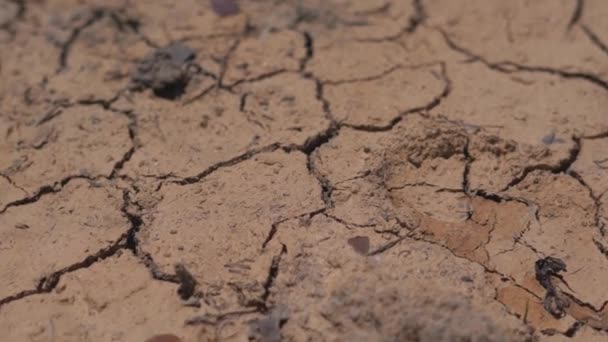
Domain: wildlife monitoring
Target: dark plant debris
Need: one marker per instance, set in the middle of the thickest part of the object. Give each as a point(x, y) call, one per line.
point(187, 283)
point(555, 302)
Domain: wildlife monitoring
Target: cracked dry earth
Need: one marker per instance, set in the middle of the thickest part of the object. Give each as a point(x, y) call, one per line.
point(304, 170)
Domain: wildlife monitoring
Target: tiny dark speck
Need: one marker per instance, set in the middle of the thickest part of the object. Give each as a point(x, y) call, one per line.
point(549, 138)
point(552, 139)
point(360, 244)
point(225, 8)
point(466, 279)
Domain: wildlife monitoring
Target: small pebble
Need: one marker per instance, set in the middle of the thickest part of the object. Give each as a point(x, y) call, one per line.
point(360, 244)
point(225, 8)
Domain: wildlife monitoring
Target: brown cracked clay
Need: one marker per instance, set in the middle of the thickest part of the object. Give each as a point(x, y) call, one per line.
point(304, 170)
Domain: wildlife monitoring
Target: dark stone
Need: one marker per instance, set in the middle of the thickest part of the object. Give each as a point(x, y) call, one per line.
point(360, 244)
point(165, 70)
point(225, 8)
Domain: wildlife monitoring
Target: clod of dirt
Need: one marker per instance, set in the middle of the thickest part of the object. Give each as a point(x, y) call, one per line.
point(554, 301)
point(227, 262)
point(268, 329)
point(165, 70)
point(225, 8)
point(73, 214)
point(360, 244)
point(164, 338)
point(187, 282)
point(114, 299)
point(75, 142)
point(379, 99)
point(257, 58)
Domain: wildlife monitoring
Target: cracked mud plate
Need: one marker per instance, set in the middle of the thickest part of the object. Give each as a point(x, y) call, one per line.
point(304, 170)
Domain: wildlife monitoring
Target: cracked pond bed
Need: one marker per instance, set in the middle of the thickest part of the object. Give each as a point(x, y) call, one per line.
point(304, 170)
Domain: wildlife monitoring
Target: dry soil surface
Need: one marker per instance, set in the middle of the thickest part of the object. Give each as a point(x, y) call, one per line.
point(304, 170)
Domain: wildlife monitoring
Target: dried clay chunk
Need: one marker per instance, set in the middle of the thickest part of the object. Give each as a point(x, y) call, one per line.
point(165, 70)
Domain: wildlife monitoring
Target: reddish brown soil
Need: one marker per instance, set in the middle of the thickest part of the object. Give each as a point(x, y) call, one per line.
point(304, 170)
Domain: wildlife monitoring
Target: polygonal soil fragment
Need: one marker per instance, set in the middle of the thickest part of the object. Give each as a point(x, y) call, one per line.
point(372, 20)
point(366, 151)
point(115, 299)
point(217, 227)
point(379, 101)
point(530, 308)
point(594, 24)
point(592, 317)
point(498, 163)
point(584, 333)
point(566, 226)
point(490, 230)
point(29, 60)
point(65, 15)
point(523, 121)
point(9, 192)
point(212, 53)
point(39, 237)
point(187, 140)
point(454, 206)
point(24, 66)
point(592, 165)
point(85, 141)
point(361, 203)
point(166, 21)
point(334, 20)
point(417, 152)
point(102, 52)
point(68, 46)
point(528, 108)
point(344, 61)
point(330, 291)
point(264, 55)
point(531, 33)
point(285, 108)
point(425, 152)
